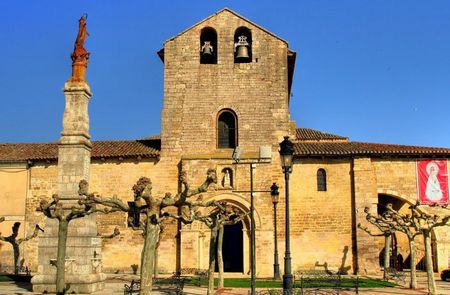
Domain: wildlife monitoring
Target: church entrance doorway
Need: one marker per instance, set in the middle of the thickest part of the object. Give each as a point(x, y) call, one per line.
point(232, 248)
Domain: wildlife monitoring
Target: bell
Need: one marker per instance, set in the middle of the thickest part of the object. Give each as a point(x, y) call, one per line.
point(242, 52)
point(241, 48)
point(207, 49)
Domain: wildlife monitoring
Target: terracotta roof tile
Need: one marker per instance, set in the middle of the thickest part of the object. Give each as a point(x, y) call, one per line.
point(310, 143)
point(100, 149)
point(306, 134)
point(309, 149)
point(28, 151)
point(129, 148)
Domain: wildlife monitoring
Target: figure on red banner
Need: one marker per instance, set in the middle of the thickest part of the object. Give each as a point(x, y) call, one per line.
point(433, 190)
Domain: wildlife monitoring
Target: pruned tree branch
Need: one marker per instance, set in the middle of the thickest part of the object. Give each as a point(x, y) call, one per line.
point(35, 233)
point(369, 232)
point(115, 233)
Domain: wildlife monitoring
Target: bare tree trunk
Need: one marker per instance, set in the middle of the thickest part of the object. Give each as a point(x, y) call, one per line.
point(148, 257)
point(429, 263)
point(16, 258)
point(220, 256)
point(156, 272)
point(412, 264)
point(63, 226)
point(212, 259)
point(387, 248)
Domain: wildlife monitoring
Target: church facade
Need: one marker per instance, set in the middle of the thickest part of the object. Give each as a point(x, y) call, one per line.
point(227, 84)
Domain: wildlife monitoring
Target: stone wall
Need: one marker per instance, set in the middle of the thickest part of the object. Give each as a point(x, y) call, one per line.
point(321, 221)
point(194, 93)
point(42, 185)
point(14, 181)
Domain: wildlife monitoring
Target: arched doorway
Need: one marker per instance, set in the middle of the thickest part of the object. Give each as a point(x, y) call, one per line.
point(241, 232)
point(396, 258)
point(399, 242)
point(233, 248)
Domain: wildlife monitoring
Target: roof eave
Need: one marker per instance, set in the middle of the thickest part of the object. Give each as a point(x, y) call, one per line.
point(291, 56)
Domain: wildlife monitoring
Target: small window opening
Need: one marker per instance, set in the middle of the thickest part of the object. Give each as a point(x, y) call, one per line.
point(208, 46)
point(321, 180)
point(227, 129)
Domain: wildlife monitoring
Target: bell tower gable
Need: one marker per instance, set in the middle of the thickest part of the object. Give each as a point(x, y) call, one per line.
point(224, 60)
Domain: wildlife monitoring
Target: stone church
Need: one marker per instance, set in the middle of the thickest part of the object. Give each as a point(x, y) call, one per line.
point(227, 84)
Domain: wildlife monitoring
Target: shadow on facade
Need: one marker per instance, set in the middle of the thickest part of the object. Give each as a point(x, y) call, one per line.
point(343, 270)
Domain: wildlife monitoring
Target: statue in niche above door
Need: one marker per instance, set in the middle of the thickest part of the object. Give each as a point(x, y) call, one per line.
point(227, 178)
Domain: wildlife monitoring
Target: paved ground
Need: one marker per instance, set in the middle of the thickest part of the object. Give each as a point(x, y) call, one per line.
point(114, 286)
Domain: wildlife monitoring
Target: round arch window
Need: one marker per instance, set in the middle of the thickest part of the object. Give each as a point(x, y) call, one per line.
point(226, 129)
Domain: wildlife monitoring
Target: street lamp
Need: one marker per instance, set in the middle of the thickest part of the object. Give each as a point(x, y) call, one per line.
point(286, 155)
point(275, 197)
point(237, 157)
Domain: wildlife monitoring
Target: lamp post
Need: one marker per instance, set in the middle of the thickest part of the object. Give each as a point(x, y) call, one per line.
point(237, 157)
point(275, 196)
point(286, 155)
point(252, 233)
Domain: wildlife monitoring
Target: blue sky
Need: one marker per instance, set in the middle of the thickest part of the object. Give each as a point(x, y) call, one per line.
point(372, 70)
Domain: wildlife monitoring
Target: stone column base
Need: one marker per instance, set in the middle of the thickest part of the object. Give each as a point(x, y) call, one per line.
point(78, 283)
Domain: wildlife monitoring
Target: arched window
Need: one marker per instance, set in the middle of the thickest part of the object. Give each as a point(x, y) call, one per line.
point(208, 46)
point(227, 129)
point(321, 180)
point(242, 45)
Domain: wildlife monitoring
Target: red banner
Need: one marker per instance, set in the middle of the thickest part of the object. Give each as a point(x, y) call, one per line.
point(432, 181)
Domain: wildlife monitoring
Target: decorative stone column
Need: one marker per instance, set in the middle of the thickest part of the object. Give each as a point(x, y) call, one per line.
point(83, 256)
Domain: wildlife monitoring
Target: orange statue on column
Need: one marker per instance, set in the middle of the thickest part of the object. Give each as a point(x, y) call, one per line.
point(80, 55)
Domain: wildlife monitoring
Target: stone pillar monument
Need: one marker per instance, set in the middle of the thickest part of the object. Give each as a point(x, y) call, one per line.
point(83, 266)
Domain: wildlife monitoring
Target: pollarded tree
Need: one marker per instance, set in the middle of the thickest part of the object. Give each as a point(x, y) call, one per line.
point(425, 223)
point(233, 217)
point(217, 218)
point(156, 267)
point(386, 229)
point(412, 225)
point(404, 223)
point(56, 210)
point(15, 242)
point(155, 211)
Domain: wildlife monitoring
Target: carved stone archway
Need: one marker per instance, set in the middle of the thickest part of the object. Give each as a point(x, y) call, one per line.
point(196, 235)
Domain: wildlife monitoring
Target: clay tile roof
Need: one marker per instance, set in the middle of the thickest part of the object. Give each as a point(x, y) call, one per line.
point(126, 148)
point(306, 134)
point(28, 151)
point(100, 149)
point(311, 149)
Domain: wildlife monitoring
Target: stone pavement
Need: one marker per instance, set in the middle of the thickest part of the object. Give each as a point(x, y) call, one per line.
point(115, 287)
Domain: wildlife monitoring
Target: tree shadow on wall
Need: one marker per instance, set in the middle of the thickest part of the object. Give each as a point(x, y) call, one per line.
point(342, 270)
